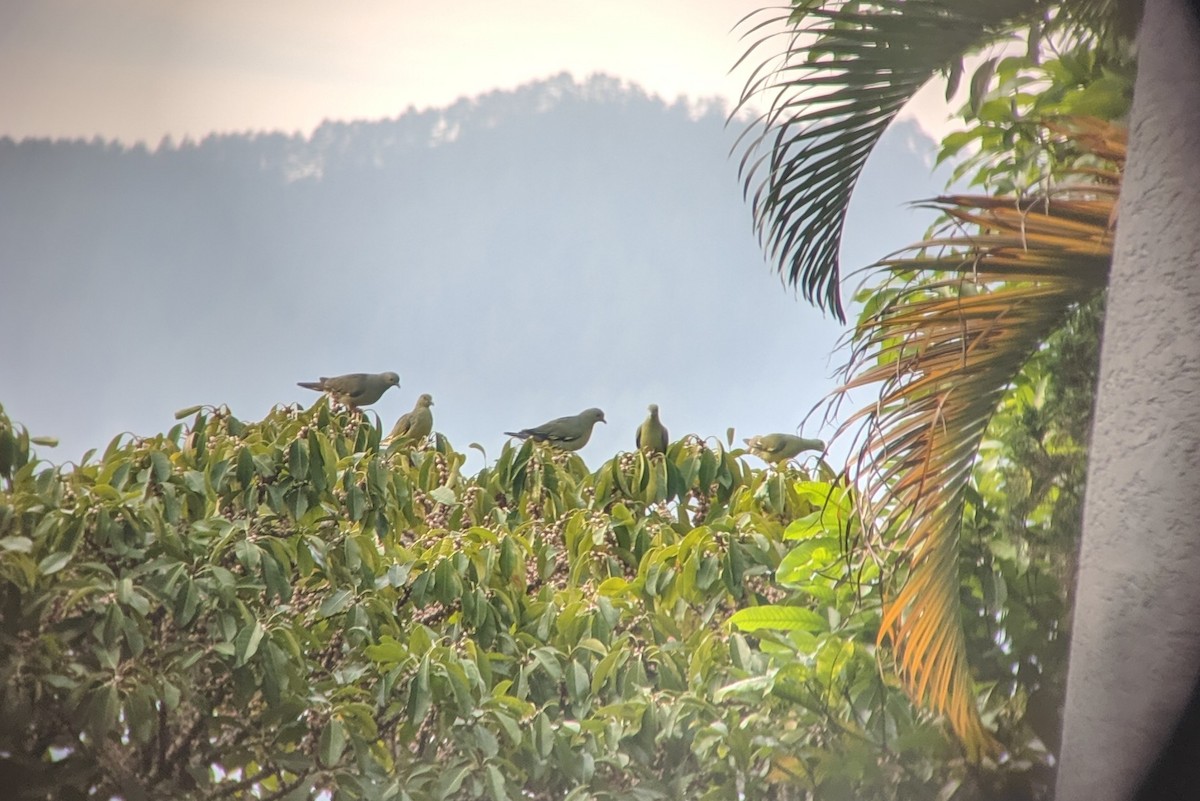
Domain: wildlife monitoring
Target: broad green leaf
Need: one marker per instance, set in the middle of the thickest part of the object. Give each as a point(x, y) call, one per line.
point(187, 412)
point(17, 544)
point(781, 618)
point(53, 563)
point(246, 644)
point(496, 784)
point(333, 742)
point(444, 496)
point(420, 699)
point(335, 603)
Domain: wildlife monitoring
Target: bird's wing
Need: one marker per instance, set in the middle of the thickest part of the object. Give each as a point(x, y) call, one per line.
point(774, 445)
point(403, 426)
point(344, 384)
point(358, 385)
point(422, 423)
point(562, 429)
point(764, 446)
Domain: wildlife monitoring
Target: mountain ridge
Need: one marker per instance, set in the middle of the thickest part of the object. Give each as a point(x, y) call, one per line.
point(572, 244)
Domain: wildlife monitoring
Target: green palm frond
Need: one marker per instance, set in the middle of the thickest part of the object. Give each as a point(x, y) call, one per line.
point(846, 70)
point(943, 351)
point(1099, 23)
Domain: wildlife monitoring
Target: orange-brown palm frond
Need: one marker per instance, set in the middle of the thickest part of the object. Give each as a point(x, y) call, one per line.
point(943, 351)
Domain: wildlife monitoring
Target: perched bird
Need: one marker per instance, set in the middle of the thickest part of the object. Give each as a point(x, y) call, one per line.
point(652, 435)
point(565, 433)
point(417, 424)
point(777, 448)
point(355, 389)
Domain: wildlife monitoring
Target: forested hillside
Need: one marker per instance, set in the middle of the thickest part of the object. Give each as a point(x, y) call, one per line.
point(563, 245)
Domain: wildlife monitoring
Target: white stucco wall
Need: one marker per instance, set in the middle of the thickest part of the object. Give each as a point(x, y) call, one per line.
point(1135, 649)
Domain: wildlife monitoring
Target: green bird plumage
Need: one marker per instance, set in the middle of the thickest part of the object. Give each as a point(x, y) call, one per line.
point(652, 434)
point(777, 448)
point(415, 425)
point(565, 433)
point(354, 389)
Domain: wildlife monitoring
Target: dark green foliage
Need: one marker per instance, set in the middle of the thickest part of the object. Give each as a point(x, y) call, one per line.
point(274, 609)
point(1005, 147)
point(279, 608)
point(842, 71)
point(1016, 567)
point(1023, 526)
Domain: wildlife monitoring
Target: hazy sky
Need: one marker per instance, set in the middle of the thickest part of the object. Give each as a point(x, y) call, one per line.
point(136, 70)
point(140, 69)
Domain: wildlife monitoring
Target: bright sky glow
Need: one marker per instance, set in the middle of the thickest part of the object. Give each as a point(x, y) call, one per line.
point(136, 70)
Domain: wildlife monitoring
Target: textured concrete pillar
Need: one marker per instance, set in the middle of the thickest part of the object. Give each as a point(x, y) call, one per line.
point(1135, 648)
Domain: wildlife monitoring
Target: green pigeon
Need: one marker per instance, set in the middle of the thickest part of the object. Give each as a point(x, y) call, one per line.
point(652, 435)
point(417, 424)
point(355, 389)
point(777, 448)
point(565, 433)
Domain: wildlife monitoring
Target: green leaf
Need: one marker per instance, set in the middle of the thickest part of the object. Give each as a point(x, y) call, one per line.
point(780, 618)
point(356, 502)
point(444, 496)
point(335, 603)
point(160, 466)
point(246, 643)
point(245, 466)
point(811, 555)
point(511, 728)
point(388, 650)
point(194, 481)
point(170, 695)
point(578, 683)
point(980, 82)
point(60, 682)
point(420, 699)
point(187, 601)
point(1107, 98)
point(755, 688)
point(548, 661)
point(140, 715)
point(187, 411)
point(103, 709)
point(953, 78)
point(543, 735)
point(333, 742)
point(508, 558)
point(606, 666)
point(450, 780)
point(495, 783)
point(487, 742)
point(53, 563)
point(298, 459)
point(17, 544)
point(613, 587)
